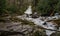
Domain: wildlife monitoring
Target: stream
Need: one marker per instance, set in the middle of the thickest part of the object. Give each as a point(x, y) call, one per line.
point(39, 22)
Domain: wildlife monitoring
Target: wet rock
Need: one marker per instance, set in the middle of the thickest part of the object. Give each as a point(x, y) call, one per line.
point(25, 29)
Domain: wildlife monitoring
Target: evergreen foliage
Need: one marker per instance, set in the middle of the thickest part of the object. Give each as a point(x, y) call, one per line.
point(47, 6)
point(2, 7)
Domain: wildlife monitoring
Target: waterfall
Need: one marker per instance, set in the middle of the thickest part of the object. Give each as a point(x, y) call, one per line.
point(29, 10)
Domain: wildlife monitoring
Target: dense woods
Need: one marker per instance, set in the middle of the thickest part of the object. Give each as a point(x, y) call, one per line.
point(47, 6)
point(19, 6)
point(2, 7)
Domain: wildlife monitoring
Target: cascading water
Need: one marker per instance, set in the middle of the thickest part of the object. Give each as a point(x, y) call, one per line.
point(39, 22)
point(28, 11)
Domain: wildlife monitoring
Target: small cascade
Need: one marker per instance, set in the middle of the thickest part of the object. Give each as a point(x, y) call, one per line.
point(48, 32)
point(47, 25)
point(28, 12)
point(52, 27)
